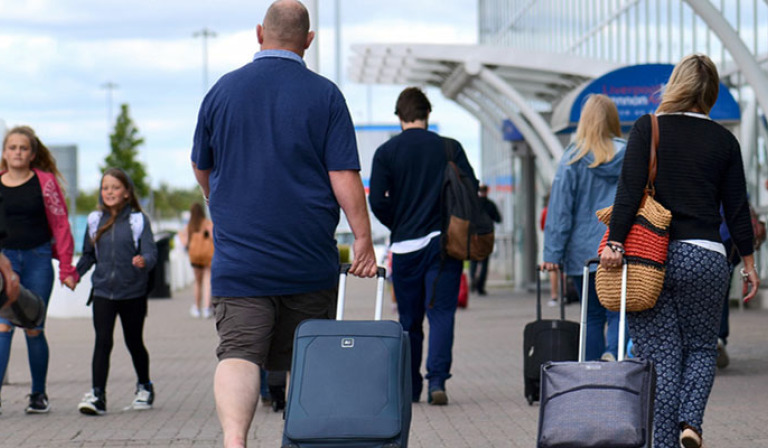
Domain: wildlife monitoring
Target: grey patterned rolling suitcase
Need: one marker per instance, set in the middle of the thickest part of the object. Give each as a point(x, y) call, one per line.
point(597, 404)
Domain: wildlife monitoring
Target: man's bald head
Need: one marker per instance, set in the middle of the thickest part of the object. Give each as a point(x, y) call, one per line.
point(286, 26)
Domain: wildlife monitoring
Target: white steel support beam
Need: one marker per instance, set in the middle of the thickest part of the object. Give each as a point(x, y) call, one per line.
point(750, 68)
point(486, 119)
point(537, 121)
point(545, 163)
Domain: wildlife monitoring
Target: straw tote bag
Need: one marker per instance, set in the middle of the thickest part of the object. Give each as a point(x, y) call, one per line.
point(646, 248)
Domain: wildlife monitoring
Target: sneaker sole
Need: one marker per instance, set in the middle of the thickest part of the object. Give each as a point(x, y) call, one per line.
point(90, 411)
point(438, 398)
point(139, 407)
point(37, 411)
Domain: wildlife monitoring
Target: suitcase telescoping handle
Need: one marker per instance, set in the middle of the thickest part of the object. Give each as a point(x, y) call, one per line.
point(622, 310)
point(539, 270)
point(381, 274)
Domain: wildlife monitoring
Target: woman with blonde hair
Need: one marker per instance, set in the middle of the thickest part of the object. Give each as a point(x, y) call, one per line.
point(38, 230)
point(197, 238)
point(699, 168)
point(585, 182)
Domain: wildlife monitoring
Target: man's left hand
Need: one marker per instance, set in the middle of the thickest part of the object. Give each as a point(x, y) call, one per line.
point(364, 264)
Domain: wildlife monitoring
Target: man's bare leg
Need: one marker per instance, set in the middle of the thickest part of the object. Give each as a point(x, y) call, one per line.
point(236, 388)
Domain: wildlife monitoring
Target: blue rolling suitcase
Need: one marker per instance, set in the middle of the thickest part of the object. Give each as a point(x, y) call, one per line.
point(597, 404)
point(350, 381)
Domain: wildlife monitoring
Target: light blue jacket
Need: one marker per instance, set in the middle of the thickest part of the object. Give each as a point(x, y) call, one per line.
point(572, 232)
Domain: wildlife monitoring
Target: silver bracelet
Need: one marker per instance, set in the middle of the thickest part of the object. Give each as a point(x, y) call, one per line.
point(745, 274)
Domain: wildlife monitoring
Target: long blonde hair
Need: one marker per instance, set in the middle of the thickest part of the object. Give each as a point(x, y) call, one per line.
point(43, 161)
point(598, 124)
point(693, 84)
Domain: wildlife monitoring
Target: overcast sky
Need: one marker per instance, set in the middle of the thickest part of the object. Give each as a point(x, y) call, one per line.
point(57, 54)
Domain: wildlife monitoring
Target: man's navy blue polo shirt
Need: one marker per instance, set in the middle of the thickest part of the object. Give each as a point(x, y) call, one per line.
point(270, 132)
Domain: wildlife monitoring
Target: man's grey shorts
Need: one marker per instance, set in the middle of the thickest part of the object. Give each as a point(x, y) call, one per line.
point(260, 329)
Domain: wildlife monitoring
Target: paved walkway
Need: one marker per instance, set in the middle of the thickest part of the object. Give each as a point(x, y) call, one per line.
point(487, 407)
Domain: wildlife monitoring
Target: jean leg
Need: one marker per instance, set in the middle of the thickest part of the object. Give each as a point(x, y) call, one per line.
point(6, 337)
point(35, 271)
point(612, 333)
point(442, 317)
point(595, 318)
point(407, 279)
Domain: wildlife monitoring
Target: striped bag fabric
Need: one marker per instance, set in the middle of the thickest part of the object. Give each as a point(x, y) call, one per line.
point(646, 248)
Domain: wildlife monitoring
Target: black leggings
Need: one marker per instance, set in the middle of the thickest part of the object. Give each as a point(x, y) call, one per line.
point(132, 313)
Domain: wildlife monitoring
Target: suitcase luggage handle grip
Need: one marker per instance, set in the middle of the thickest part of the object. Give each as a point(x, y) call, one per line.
point(622, 310)
point(561, 271)
point(381, 274)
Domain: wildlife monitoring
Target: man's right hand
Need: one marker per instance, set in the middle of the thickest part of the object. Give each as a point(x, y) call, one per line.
point(11, 280)
point(364, 264)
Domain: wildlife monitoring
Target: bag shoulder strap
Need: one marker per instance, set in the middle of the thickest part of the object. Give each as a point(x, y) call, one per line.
point(137, 227)
point(652, 163)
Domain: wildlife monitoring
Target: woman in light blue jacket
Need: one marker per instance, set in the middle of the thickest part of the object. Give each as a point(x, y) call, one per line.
point(585, 182)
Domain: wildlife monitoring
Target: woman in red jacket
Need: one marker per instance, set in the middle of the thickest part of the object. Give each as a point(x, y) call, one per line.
point(38, 231)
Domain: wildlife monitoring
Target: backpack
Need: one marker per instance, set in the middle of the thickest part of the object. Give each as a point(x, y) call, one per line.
point(200, 248)
point(137, 226)
point(467, 232)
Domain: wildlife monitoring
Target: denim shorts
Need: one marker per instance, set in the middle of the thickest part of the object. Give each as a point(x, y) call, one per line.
point(260, 329)
point(35, 271)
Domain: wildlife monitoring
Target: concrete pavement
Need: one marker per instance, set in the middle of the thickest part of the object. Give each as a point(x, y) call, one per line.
point(487, 407)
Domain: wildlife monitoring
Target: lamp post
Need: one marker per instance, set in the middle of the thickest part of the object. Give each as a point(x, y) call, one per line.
point(205, 33)
point(109, 86)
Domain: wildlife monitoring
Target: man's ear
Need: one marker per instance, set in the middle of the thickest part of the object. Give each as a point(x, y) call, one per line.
point(260, 34)
point(310, 38)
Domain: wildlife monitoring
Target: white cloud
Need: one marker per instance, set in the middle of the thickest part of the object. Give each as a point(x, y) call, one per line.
point(56, 55)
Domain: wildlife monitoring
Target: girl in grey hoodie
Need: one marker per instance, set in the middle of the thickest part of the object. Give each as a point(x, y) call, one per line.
point(120, 243)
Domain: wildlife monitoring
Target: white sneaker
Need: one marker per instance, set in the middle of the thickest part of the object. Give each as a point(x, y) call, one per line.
point(194, 312)
point(608, 356)
point(552, 303)
point(145, 396)
point(207, 313)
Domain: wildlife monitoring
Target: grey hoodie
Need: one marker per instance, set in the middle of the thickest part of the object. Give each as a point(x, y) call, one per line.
point(115, 277)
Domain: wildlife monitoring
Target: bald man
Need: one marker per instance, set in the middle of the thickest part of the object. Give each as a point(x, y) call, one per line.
point(275, 154)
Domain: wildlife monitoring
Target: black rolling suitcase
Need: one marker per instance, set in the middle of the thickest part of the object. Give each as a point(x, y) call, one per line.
point(547, 340)
point(350, 381)
point(597, 404)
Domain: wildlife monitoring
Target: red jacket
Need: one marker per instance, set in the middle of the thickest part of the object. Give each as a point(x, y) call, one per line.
point(62, 244)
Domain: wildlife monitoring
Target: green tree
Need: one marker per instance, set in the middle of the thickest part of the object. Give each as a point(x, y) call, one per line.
point(171, 202)
point(87, 201)
point(124, 142)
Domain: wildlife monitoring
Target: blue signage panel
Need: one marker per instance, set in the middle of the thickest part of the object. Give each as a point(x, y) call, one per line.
point(636, 90)
point(510, 131)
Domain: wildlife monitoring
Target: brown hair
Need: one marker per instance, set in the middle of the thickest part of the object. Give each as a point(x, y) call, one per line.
point(598, 124)
point(196, 218)
point(693, 84)
point(412, 105)
point(43, 161)
point(121, 176)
